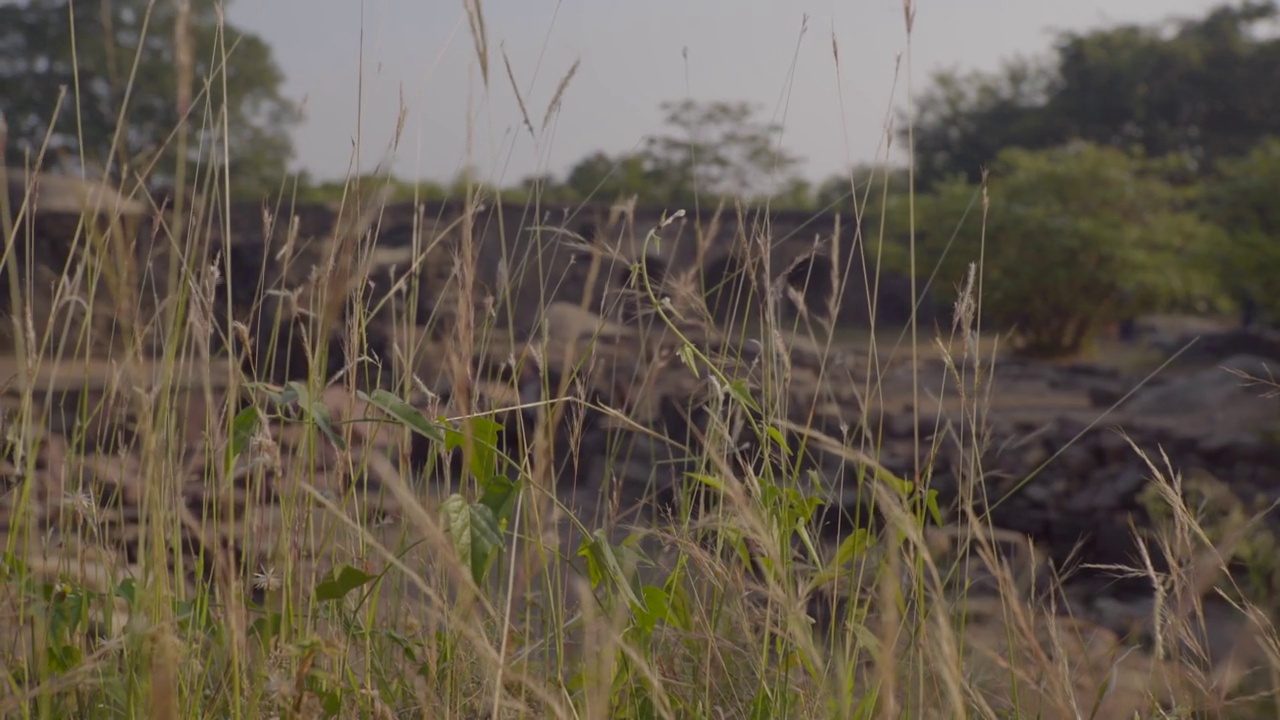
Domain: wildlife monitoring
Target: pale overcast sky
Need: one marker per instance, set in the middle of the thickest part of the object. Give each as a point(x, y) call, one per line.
point(418, 56)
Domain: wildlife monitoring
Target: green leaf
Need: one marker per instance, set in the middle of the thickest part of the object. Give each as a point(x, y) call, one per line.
point(294, 391)
point(599, 549)
point(330, 701)
point(778, 438)
point(688, 356)
point(931, 502)
point(901, 486)
point(127, 590)
point(741, 391)
point(266, 628)
point(319, 415)
point(499, 496)
point(404, 412)
point(474, 531)
point(851, 549)
point(313, 410)
point(762, 705)
point(595, 569)
point(405, 645)
point(340, 582)
point(710, 481)
point(484, 445)
point(65, 658)
point(242, 429)
point(657, 606)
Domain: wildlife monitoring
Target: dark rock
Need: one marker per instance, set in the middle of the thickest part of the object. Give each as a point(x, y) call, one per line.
point(1105, 396)
point(1024, 519)
point(1111, 447)
point(1216, 347)
point(903, 426)
point(1077, 461)
point(1115, 486)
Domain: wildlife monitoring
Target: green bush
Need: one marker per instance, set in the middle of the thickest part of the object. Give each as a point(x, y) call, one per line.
point(1069, 240)
point(1242, 200)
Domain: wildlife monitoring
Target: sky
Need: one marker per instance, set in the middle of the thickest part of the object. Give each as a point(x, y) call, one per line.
point(400, 82)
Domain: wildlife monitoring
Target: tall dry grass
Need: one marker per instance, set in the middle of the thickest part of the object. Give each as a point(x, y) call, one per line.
point(260, 549)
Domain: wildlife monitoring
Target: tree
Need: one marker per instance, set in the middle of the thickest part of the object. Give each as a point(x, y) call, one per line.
point(863, 184)
point(717, 149)
point(1205, 88)
point(1208, 90)
point(711, 150)
point(1241, 198)
point(963, 120)
point(37, 60)
point(334, 191)
point(604, 177)
point(795, 194)
point(1075, 237)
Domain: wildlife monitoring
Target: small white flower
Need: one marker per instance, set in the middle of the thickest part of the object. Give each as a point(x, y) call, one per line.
point(266, 579)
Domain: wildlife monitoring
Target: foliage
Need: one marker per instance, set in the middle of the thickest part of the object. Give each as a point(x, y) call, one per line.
point(91, 50)
point(963, 120)
point(1075, 237)
point(310, 190)
point(716, 148)
point(713, 149)
point(316, 571)
point(601, 176)
point(862, 189)
point(1242, 199)
point(1207, 89)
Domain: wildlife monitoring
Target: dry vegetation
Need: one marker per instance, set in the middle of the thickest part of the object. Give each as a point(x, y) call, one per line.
point(190, 531)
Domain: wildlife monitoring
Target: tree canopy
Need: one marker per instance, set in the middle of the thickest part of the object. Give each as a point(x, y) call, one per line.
point(125, 60)
point(1205, 87)
point(1071, 239)
point(1131, 169)
point(709, 150)
point(1241, 197)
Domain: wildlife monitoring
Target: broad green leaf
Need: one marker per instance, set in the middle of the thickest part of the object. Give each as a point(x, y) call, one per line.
point(127, 590)
point(484, 445)
point(852, 548)
point(319, 415)
point(341, 581)
point(405, 645)
point(314, 410)
point(242, 429)
point(295, 391)
point(65, 658)
point(657, 606)
point(499, 496)
point(404, 412)
point(602, 552)
point(474, 531)
point(266, 628)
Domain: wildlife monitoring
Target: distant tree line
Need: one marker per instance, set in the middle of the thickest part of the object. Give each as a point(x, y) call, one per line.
point(1132, 169)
